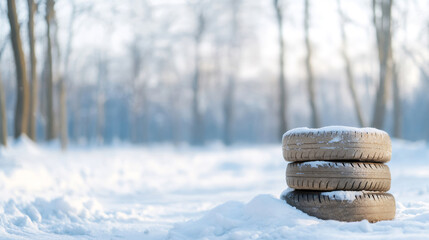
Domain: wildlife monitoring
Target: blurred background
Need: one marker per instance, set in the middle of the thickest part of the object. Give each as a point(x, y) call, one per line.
point(196, 72)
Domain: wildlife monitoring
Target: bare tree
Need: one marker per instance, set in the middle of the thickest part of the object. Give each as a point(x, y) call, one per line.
point(233, 57)
point(65, 78)
point(63, 115)
point(315, 121)
point(382, 25)
point(136, 57)
point(397, 106)
point(175, 101)
point(283, 126)
point(198, 125)
point(33, 72)
point(50, 128)
point(3, 119)
point(3, 122)
point(349, 68)
point(101, 98)
point(76, 115)
point(140, 49)
point(21, 111)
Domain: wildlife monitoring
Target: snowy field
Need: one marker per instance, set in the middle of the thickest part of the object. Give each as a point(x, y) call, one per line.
point(163, 192)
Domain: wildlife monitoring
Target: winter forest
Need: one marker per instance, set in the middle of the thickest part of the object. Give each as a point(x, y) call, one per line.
point(163, 119)
point(99, 72)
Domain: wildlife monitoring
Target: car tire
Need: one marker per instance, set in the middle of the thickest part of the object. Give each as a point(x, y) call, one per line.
point(336, 143)
point(344, 206)
point(330, 176)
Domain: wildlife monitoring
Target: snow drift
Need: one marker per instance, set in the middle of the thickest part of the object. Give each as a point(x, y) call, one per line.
point(184, 193)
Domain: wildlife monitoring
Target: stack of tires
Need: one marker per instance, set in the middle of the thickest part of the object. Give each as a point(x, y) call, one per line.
point(338, 173)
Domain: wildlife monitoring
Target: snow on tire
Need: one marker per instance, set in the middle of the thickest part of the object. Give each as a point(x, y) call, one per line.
point(345, 206)
point(329, 176)
point(337, 143)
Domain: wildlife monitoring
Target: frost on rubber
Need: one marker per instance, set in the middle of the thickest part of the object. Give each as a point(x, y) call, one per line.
point(369, 146)
point(371, 206)
point(329, 176)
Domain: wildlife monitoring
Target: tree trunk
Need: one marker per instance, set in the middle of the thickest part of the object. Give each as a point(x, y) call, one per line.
point(135, 93)
point(3, 118)
point(283, 126)
point(3, 121)
point(63, 116)
point(176, 113)
point(349, 71)
point(63, 90)
point(382, 27)
point(21, 111)
point(197, 127)
point(315, 122)
point(228, 111)
point(100, 118)
point(102, 77)
point(233, 68)
point(33, 72)
point(50, 128)
point(397, 106)
point(76, 116)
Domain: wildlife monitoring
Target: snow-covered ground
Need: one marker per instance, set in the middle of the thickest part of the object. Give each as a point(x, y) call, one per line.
point(162, 192)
